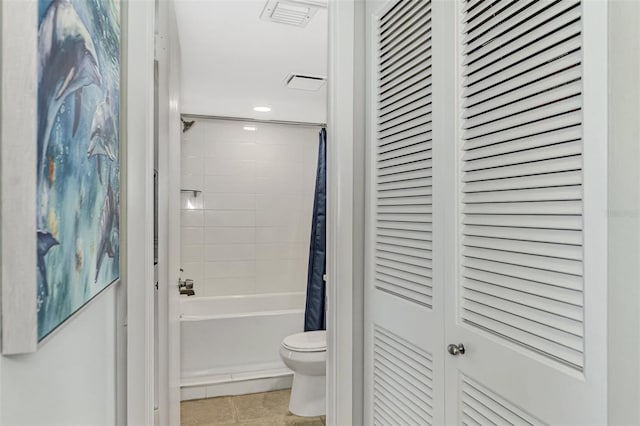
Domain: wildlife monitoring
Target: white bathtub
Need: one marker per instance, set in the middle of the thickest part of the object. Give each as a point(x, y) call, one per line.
point(230, 344)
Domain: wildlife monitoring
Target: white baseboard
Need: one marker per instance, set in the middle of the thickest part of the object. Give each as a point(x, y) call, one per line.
point(235, 384)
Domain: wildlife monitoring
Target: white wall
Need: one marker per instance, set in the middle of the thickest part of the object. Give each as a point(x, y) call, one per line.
point(248, 232)
point(71, 379)
point(624, 213)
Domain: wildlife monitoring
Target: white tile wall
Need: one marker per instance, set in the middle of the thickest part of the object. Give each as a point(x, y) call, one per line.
point(247, 232)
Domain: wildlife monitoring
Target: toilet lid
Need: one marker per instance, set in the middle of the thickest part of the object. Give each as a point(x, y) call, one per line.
point(310, 341)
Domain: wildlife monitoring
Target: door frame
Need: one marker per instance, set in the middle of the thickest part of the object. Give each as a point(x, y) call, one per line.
point(167, 131)
point(167, 55)
point(345, 202)
point(138, 163)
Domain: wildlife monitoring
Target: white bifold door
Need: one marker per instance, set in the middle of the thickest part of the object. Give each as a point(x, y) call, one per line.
point(486, 213)
point(404, 368)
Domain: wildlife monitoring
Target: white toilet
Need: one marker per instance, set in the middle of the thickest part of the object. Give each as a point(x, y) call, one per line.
point(306, 355)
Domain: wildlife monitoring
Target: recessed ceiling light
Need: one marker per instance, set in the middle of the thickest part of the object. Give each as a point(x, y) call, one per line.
point(262, 109)
point(250, 128)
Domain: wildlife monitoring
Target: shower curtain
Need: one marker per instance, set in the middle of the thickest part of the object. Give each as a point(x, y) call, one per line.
point(314, 310)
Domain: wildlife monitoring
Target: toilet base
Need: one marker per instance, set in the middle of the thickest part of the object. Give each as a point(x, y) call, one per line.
point(308, 396)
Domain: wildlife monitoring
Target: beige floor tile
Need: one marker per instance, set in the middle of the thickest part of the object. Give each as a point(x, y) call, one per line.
point(208, 412)
point(261, 409)
point(289, 420)
point(258, 406)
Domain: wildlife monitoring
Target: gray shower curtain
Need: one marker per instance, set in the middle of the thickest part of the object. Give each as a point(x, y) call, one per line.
point(314, 310)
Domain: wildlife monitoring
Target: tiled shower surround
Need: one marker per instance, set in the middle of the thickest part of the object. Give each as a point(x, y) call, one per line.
point(248, 231)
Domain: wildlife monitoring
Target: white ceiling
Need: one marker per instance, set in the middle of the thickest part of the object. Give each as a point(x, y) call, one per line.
point(233, 61)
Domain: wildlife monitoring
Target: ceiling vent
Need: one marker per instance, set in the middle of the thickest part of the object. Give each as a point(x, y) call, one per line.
point(291, 12)
point(304, 82)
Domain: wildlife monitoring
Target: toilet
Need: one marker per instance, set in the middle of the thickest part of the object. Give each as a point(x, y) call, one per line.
point(306, 354)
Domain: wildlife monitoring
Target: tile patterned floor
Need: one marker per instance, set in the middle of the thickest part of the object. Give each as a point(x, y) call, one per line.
point(258, 409)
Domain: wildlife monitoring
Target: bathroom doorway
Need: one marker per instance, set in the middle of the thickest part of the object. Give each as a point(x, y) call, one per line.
point(253, 101)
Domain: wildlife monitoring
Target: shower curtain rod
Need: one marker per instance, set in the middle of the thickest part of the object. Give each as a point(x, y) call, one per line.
point(252, 120)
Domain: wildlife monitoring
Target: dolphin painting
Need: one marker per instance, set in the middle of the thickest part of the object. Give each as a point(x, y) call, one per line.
point(67, 63)
point(45, 242)
point(108, 220)
point(104, 135)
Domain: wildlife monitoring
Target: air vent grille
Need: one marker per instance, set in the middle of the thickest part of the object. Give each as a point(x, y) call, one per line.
point(305, 82)
point(403, 245)
point(291, 12)
point(522, 276)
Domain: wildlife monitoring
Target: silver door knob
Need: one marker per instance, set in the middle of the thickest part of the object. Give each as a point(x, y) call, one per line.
point(456, 349)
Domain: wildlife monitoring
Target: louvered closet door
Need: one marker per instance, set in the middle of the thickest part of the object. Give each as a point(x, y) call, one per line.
point(526, 295)
point(404, 361)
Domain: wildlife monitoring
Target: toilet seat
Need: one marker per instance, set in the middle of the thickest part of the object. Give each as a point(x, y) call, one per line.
point(310, 341)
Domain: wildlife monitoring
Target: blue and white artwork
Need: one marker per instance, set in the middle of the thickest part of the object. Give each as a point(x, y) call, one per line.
point(78, 169)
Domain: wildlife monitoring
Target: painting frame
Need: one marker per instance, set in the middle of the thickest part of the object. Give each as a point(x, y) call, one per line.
point(18, 108)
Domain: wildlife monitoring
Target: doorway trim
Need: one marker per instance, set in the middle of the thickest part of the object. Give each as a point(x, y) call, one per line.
point(345, 216)
point(138, 163)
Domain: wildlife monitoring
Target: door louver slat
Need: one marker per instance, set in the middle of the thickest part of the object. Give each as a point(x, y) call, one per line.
point(507, 82)
point(475, 10)
point(405, 114)
point(402, 381)
point(398, 150)
point(391, 53)
point(549, 180)
point(397, 14)
point(526, 234)
point(481, 406)
point(404, 132)
point(406, 85)
point(567, 317)
point(405, 106)
point(403, 194)
point(545, 222)
point(513, 272)
point(515, 31)
point(507, 14)
point(522, 242)
point(393, 42)
point(471, 5)
point(390, 224)
point(406, 92)
point(408, 176)
point(570, 297)
point(525, 99)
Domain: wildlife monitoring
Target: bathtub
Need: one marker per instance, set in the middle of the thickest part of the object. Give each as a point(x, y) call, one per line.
point(230, 344)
